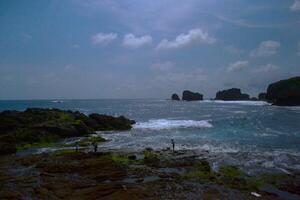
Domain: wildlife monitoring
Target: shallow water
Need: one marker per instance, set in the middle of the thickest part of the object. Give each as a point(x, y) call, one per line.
point(253, 135)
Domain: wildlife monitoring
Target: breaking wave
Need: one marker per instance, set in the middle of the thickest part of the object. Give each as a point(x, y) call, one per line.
point(160, 124)
point(250, 103)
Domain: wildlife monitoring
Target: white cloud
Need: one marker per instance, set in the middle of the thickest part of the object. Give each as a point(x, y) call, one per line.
point(194, 36)
point(104, 38)
point(233, 50)
point(266, 48)
point(295, 6)
point(131, 41)
point(164, 66)
point(267, 68)
point(238, 66)
point(192, 77)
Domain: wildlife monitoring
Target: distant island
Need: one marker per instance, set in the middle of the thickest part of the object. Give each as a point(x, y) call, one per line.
point(281, 93)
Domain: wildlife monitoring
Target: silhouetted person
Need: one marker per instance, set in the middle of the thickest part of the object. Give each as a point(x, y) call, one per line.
point(173, 144)
point(76, 146)
point(95, 145)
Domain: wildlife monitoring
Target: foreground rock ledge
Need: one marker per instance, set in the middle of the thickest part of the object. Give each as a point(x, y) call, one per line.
point(149, 175)
point(36, 125)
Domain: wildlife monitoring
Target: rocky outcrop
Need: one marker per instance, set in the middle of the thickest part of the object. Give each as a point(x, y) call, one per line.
point(262, 96)
point(233, 94)
point(284, 92)
point(49, 125)
point(191, 96)
point(175, 97)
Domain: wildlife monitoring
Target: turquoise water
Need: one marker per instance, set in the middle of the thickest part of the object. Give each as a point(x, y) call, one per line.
point(249, 134)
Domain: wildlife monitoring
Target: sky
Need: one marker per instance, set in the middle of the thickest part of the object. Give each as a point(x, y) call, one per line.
point(83, 49)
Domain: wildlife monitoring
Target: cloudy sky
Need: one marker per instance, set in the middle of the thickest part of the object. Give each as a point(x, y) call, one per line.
point(145, 49)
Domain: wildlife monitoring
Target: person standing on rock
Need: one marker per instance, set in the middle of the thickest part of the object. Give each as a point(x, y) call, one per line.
point(173, 144)
point(95, 145)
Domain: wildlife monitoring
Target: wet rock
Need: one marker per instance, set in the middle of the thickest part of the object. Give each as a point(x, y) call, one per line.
point(132, 157)
point(191, 96)
point(175, 97)
point(233, 94)
point(284, 92)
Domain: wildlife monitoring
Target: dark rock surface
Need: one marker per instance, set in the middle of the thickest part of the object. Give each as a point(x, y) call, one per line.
point(175, 97)
point(152, 175)
point(285, 92)
point(49, 125)
point(233, 94)
point(191, 96)
point(262, 96)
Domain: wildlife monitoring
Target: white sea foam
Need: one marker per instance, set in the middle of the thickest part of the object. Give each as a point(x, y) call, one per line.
point(250, 103)
point(160, 124)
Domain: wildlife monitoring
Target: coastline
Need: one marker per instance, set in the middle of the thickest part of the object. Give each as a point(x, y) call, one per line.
point(72, 168)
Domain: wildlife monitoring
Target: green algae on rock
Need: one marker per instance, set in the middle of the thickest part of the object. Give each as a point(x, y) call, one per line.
point(37, 126)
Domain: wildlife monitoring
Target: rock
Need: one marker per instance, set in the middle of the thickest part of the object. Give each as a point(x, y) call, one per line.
point(132, 157)
point(6, 148)
point(233, 94)
point(262, 96)
point(253, 99)
point(191, 96)
point(175, 97)
point(284, 92)
point(105, 122)
point(19, 129)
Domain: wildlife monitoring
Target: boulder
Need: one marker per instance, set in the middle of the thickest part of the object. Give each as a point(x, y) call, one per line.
point(233, 94)
point(175, 97)
point(191, 96)
point(254, 99)
point(262, 96)
point(284, 92)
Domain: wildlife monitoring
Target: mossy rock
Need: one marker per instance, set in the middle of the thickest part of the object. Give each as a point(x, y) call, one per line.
point(89, 141)
point(233, 177)
point(201, 171)
point(39, 126)
point(122, 160)
point(151, 158)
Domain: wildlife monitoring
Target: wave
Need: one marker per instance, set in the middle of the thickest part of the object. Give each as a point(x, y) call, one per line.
point(250, 103)
point(160, 124)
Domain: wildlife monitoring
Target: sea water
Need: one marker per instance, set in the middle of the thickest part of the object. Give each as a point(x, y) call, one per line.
point(251, 134)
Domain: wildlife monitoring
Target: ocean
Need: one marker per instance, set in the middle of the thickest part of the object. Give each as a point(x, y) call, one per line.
point(250, 134)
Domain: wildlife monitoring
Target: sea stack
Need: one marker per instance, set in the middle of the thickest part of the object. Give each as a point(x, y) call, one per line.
point(262, 96)
point(233, 94)
point(284, 92)
point(175, 97)
point(191, 96)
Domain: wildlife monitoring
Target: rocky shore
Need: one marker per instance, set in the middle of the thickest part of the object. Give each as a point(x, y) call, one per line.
point(166, 174)
point(76, 170)
point(42, 127)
